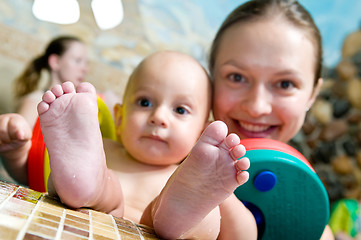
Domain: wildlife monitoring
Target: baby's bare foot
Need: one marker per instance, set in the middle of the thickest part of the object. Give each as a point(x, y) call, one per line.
point(210, 174)
point(69, 123)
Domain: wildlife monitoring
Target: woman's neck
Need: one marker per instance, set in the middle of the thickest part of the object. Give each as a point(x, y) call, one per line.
point(54, 79)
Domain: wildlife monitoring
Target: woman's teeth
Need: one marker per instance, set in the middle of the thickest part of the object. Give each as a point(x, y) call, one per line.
point(252, 127)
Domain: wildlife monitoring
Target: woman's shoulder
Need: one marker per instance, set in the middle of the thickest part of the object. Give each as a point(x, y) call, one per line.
point(33, 96)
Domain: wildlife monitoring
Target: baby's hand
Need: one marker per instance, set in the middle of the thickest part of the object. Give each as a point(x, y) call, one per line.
point(15, 132)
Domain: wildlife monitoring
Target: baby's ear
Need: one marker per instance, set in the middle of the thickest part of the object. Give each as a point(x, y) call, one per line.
point(118, 114)
point(118, 120)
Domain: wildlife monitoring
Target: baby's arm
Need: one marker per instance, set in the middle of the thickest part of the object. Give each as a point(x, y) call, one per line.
point(15, 142)
point(27, 107)
point(327, 234)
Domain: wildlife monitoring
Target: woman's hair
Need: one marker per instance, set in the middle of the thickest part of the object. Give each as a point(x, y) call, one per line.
point(29, 79)
point(255, 10)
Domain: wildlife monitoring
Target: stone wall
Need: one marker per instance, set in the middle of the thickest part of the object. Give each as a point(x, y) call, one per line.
point(331, 135)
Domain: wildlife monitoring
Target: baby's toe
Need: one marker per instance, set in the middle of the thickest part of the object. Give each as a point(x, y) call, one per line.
point(242, 164)
point(42, 107)
point(49, 97)
point(57, 90)
point(232, 140)
point(242, 177)
point(238, 151)
point(68, 87)
point(85, 87)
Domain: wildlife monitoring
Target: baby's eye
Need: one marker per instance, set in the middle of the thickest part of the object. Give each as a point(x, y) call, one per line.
point(286, 84)
point(181, 110)
point(237, 77)
point(143, 102)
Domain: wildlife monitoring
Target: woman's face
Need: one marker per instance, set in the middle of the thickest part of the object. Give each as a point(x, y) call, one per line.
point(73, 64)
point(264, 79)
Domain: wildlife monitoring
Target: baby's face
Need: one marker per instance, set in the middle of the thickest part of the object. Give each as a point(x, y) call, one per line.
point(165, 111)
point(264, 78)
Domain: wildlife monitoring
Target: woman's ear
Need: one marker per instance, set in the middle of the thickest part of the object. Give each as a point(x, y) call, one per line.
point(315, 92)
point(53, 62)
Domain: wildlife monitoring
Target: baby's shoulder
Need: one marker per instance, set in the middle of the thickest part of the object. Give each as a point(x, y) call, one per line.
point(114, 151)
point(111, 145)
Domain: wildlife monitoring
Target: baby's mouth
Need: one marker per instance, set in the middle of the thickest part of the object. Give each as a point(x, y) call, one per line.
point(156, 138)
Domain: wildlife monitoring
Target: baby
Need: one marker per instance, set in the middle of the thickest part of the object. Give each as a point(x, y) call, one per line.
point(159, 124)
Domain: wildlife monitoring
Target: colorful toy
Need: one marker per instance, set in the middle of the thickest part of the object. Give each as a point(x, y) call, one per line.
point(284, 193)
point(346, 218)
point(38, 159)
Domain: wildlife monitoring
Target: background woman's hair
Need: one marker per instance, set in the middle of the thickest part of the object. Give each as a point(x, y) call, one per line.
point(29, 79)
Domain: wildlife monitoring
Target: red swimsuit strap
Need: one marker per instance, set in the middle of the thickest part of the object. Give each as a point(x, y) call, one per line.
point(35, 161)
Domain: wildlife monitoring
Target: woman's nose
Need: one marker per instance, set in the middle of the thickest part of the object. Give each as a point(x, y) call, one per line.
point(257, 102)
point(85, 67)
point(159, 117)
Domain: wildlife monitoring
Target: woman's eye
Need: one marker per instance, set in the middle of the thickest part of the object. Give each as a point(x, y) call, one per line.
point(181, 110)
point(144, 102)
point(237, 77)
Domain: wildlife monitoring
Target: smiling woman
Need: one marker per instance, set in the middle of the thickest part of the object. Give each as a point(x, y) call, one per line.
point(264, 91)
point(265, 63)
